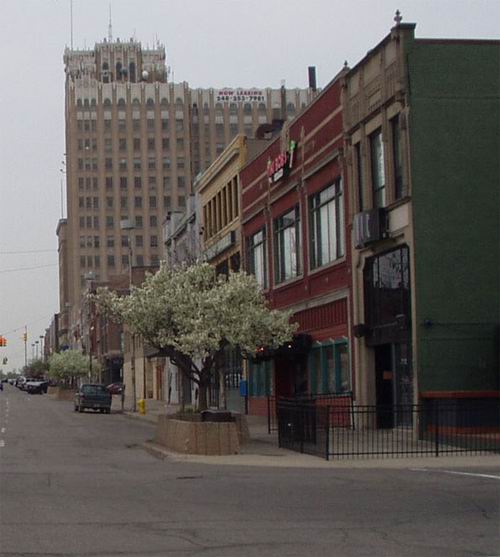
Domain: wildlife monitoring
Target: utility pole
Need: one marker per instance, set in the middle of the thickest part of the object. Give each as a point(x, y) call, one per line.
point(25, 338)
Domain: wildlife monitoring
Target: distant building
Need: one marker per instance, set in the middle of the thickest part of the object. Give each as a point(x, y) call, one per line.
point(134, 143)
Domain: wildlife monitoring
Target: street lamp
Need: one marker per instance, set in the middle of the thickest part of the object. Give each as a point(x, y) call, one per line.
point(36, 343)
point(42, 355)
point(127, 226)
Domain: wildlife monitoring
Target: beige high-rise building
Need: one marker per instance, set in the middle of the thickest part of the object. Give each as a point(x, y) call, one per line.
point(134, 143)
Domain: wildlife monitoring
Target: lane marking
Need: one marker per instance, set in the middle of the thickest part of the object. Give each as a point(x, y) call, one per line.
point(456, 473)
point(490, 476)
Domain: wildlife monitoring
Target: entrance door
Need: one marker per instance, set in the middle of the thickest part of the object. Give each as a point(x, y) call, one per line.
point(394, 385)
point(384, 381)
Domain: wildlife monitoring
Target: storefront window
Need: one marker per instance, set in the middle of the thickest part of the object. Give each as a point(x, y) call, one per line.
point(329, 368)
point(260, 378)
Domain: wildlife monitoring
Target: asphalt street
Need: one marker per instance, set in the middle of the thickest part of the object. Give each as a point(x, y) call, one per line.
point(82, 485)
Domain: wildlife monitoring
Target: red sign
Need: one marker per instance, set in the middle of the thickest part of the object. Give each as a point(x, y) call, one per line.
point(284, 161)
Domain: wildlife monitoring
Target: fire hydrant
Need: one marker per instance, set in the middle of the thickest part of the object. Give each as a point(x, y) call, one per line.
point(141, 405)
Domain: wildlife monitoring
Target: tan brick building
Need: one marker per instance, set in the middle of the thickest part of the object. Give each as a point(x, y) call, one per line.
point(134, 143)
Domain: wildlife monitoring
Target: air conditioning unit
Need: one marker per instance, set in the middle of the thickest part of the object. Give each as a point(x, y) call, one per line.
point(370, 226)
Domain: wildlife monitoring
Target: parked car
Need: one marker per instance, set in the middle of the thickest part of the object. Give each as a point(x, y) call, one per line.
point(34, 386)
point(115, 388)
point(94, 396)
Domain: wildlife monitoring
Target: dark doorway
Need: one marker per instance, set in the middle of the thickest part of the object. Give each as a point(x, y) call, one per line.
point(384, 381)
point(291, 376)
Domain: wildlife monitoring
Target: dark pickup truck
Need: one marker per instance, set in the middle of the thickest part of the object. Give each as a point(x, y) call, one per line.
point(94, 396)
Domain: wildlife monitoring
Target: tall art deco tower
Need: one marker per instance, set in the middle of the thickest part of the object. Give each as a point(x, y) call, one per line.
point(134, 143)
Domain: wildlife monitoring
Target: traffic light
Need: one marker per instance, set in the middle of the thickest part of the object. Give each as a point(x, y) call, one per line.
point(25, 337)
point(3, 341)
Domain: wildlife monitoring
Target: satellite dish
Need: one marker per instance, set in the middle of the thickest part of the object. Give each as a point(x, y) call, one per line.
point(145, 75)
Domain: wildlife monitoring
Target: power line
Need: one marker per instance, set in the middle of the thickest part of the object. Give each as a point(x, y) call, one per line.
point(27, 268)
point(22, 327)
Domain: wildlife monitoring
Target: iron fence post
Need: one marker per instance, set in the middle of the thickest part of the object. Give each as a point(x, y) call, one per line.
point(327, 427)
point(436, 427)
point(269, 415)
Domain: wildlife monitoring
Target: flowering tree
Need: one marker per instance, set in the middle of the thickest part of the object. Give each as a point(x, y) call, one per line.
point(190, 314)
point(68, 366)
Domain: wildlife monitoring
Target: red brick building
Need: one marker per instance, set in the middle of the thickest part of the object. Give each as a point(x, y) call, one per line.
point(294, 208)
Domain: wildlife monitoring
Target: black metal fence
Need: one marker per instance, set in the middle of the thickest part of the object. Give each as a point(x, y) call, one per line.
point(343, 400)
point(347, 431)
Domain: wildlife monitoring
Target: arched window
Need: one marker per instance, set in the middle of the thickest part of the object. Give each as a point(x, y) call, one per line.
point(179, 101)
point(105, 72)
point(107, 102)
point(247, 108)
point(121, 102)
point(205, 108)
point(219, 107)
point(132, 72)
point(262, 107)
point(86, 103)
point(164, 102)
point(118, 71)
point(79, 103)
point(233, 107)
point(150, 102)
point(92, 102)
point(136, 101)
point(290, 108)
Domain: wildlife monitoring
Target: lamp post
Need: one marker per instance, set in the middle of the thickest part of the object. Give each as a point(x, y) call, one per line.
point(128, 226)
point(32, 351)
point(36, 349)
point(42, 355)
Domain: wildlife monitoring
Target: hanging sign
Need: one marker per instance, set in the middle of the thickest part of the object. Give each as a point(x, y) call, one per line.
point(281, 164)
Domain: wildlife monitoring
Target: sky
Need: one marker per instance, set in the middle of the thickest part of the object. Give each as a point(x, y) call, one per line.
point(209, 43)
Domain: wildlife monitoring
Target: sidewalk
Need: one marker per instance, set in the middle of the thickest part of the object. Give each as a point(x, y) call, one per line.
point(263, 450)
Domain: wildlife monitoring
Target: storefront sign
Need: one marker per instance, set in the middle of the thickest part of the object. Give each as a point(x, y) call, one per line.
point(239, 95)
point(281, 164)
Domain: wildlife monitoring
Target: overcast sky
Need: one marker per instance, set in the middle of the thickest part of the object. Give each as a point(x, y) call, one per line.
point(209, 43)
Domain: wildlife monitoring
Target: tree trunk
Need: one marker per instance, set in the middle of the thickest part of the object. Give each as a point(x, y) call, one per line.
point(202, 396)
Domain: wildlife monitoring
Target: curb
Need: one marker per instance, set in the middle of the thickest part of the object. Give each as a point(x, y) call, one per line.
point(296, 460)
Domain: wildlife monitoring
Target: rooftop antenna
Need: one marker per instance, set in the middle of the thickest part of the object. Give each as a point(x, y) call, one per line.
point(110, 26)
point(71, 21)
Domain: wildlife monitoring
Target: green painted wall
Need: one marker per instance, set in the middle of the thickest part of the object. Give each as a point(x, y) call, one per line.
point(455, 159)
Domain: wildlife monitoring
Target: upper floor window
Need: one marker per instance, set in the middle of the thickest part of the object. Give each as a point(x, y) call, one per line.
point(327, 225)
point(287, 246)
point(397, 160)
point(378, 169)
point(359, 176)
point(256, 250)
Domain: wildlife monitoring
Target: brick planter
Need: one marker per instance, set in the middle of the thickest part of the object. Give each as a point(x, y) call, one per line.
point(192, 437)
point(58, 393)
